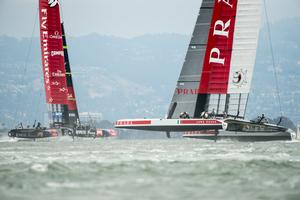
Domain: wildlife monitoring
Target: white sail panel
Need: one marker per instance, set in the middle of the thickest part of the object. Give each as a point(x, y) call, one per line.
point(246, 32)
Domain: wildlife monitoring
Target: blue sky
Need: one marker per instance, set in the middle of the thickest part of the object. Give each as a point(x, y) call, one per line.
point(123, 18)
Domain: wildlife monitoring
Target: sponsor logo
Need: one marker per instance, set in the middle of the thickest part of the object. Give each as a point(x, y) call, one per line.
point(44, 18)
point(55, 83)
point(187, 91)
point(55, 36)
point(239, 78)
point(52, 3)
point(44, 42)
point(217, 58)
point(221, 29)
point(62, 89)
point(227, 2)
point(57, 53)
point(58, 73)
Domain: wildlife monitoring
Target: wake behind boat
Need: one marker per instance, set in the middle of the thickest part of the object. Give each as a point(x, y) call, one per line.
point(216, 77)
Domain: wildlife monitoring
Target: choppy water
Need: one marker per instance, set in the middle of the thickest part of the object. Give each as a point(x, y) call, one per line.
point(149, 169)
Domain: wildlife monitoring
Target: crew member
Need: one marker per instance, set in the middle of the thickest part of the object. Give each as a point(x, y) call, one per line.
point(213, 113)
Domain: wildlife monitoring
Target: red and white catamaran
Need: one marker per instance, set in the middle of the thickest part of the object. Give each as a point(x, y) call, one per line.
point(216, 77)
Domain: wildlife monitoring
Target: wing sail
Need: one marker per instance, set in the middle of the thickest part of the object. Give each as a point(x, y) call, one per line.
point(53, 61)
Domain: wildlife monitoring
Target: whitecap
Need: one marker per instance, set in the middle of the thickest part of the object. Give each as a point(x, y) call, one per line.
point(39, 167)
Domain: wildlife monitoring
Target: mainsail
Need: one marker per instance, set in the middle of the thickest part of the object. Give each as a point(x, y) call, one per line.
point(53, 62)
point(217, 72)
point(73, 116)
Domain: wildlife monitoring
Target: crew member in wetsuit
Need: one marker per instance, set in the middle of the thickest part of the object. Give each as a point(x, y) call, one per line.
point(213, 113)
point(74, 130)
point(38, 126)
point(261, 118)
point(184, 115)
point(202, 114)
point(224, 114)
point(279, 121)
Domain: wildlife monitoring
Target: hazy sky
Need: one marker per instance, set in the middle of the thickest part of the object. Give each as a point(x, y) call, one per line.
point(125, 18)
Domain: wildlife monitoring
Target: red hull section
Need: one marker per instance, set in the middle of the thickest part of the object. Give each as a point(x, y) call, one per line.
point(106, 133)
point(52, 53)
point(53, 132)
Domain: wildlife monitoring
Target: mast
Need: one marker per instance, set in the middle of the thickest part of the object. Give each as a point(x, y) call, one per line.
point(53, 62)
point(72, 105)
point(217, 72)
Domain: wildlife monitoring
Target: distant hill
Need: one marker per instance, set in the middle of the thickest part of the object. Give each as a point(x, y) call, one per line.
point(122, 78)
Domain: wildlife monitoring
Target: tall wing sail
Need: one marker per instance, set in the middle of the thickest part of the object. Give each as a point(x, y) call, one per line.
point(186, 93)
point(72, 105)
point(217, 71)
point(53, 61)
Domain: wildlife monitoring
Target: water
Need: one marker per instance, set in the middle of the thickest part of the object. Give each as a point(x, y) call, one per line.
point(149, 169)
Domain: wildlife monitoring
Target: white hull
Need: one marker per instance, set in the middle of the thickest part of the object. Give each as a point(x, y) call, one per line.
point(169, 125)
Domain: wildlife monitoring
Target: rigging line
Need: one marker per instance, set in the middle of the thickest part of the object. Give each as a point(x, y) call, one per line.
point(38, 106)
point(26, 64)
point(272, 54)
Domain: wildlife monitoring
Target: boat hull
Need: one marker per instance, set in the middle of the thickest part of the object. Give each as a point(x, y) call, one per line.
point(241, 136)
point(169, 125)
point(94, 133)
point(28, 133)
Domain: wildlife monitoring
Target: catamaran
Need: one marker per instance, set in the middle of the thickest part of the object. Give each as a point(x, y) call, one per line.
point(212, 91)
point(60, 96)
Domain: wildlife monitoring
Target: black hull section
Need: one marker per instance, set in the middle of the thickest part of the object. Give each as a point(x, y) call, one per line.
point(31, 133)
point(243, 136)
point(90, 133)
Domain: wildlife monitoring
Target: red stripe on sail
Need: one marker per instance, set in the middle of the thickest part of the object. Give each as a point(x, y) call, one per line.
point(52, 53)
point(216, 65)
